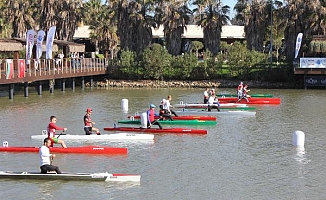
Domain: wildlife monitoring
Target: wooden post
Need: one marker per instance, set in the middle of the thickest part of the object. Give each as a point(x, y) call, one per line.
point(39, 87)
point(11, 91)
point(83, 83)
point(51, 85)
point(63, 84)
point(25, 89)
point(73, 83)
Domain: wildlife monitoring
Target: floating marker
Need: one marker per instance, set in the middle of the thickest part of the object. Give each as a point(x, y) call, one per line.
point(124, 104)
point(298, 138)
point(143, 120)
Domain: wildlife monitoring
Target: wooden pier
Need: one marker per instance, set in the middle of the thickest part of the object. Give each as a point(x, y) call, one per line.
point(16, 71)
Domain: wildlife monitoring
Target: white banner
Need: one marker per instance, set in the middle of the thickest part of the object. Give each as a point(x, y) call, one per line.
point(49, 42)
point(29, 44)
point(312, 62)
point(40, 37)
point(298, 45)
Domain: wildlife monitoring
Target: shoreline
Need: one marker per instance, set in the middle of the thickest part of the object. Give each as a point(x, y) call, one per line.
point(108, 83)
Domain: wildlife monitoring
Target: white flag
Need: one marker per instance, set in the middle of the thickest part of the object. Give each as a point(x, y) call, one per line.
point(49, 42)
point(40, 37)
point(29, 44)
point(298, 45)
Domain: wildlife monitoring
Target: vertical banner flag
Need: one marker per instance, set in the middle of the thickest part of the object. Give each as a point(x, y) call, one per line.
point(298, 45)
point(10, 69)
point(21, 68)
point(40, 37)
point(29, 45)
point(49, 42)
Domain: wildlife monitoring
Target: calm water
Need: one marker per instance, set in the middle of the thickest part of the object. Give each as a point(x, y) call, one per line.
point(240, 158)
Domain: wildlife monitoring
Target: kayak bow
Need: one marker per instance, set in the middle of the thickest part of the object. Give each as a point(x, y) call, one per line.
point(157, 130)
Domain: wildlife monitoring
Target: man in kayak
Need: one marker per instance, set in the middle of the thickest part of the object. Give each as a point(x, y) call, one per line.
point(166, 106)
point(213, 103)
point(52, 127)
point(164, 115)
point(89, 124)
point(46, 158)
point(151, 117)
point(244, 94)
point(206, 95)
point(240, 91)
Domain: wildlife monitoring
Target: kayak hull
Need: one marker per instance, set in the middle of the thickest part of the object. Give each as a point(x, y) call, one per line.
point(83, 150)
point(253, 100)
point(215, 112)
point(157, 130)
point(252, 95)
point(206, 118)
point(174, 122)
point(102, 137)
point(71, 176)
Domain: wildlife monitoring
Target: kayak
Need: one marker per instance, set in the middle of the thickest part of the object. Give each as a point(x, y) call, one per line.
point(189, 117)
point(215, 112)
point(202, 105)
point(252, 100)
point(83, 149)
point(117, 136)
point(157, 130)
point(174, 122)
point(71, 176)
point(252, 95)
point(222, 106)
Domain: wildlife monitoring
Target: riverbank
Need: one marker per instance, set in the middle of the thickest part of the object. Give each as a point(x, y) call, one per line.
point(188, 84)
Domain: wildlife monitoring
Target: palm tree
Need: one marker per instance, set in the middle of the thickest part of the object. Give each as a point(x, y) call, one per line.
point(133, 23)
point(212, 20)
point(19, 14)
point(174, 16)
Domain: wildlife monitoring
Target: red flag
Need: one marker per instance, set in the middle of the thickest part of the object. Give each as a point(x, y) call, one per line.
point(21, 68)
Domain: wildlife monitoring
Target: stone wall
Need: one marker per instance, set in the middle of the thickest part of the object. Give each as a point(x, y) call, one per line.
point(187, 84)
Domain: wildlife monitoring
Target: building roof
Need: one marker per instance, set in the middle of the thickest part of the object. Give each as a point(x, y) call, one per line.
point(192, 31)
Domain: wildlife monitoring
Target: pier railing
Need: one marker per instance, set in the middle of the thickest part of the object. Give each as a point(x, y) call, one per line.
point(20, 70)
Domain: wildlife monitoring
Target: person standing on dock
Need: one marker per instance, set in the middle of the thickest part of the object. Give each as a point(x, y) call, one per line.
point(52, 127)
point(89, 124)
point(151, 117)
point(46, 158)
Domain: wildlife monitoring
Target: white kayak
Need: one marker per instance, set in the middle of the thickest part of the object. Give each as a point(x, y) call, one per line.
point(201, 105)
point(106, 137)
point(71, 176)
point(215, 112)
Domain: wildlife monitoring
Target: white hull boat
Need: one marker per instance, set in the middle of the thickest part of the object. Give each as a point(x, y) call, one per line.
point(215, 112)
point(71, 176)
point(102, 137)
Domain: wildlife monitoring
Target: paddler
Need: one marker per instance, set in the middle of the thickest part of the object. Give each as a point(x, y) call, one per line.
point(46, 158)
point(52, 127)
point(206, 95)
point(166, 106)
point(244, 93)
point(151, 117)
point(213, 102)
point(89, 124)
point(240, 91)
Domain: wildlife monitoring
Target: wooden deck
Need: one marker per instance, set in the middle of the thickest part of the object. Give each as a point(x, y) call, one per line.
point(49, 69)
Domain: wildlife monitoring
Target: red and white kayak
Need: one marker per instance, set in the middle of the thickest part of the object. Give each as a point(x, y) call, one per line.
point(84, 149)
point(184, 117)
point(201, 105)
point(157, 130)
point(71, 176)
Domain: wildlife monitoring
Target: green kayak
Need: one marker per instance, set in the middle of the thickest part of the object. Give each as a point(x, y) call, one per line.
point(174, 122)
point(252, 95)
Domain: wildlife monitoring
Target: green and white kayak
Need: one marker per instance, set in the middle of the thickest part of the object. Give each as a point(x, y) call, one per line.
point(252, 95)
point(174, 122)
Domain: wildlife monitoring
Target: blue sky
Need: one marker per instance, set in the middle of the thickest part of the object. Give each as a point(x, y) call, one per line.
point(230, 3)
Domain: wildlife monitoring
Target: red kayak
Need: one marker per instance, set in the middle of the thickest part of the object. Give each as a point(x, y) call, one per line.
point(185, 117)
point(157, 130)
point(252, 100)
point(84, 149)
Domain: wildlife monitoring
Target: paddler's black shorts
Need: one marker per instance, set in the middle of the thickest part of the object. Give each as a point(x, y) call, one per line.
point(88, 130)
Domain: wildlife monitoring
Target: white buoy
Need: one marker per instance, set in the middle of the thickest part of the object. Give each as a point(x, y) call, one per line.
point(124, 104)
point(298, 138)
point(143, 120)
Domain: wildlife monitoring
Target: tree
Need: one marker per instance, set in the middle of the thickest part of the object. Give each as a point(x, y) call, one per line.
point(174, 16)
point(197, 45)
point(212, 20)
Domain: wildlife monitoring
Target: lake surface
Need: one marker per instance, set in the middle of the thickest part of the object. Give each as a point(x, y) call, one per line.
point(240, 158)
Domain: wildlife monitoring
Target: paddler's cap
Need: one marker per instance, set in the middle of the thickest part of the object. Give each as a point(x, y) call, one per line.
point(89, 110)
point(152, 106)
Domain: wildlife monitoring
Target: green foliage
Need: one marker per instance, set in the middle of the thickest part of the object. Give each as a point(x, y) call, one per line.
point(101, 56)
point(184, 65)
point(156, 62)
point(128, 62)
